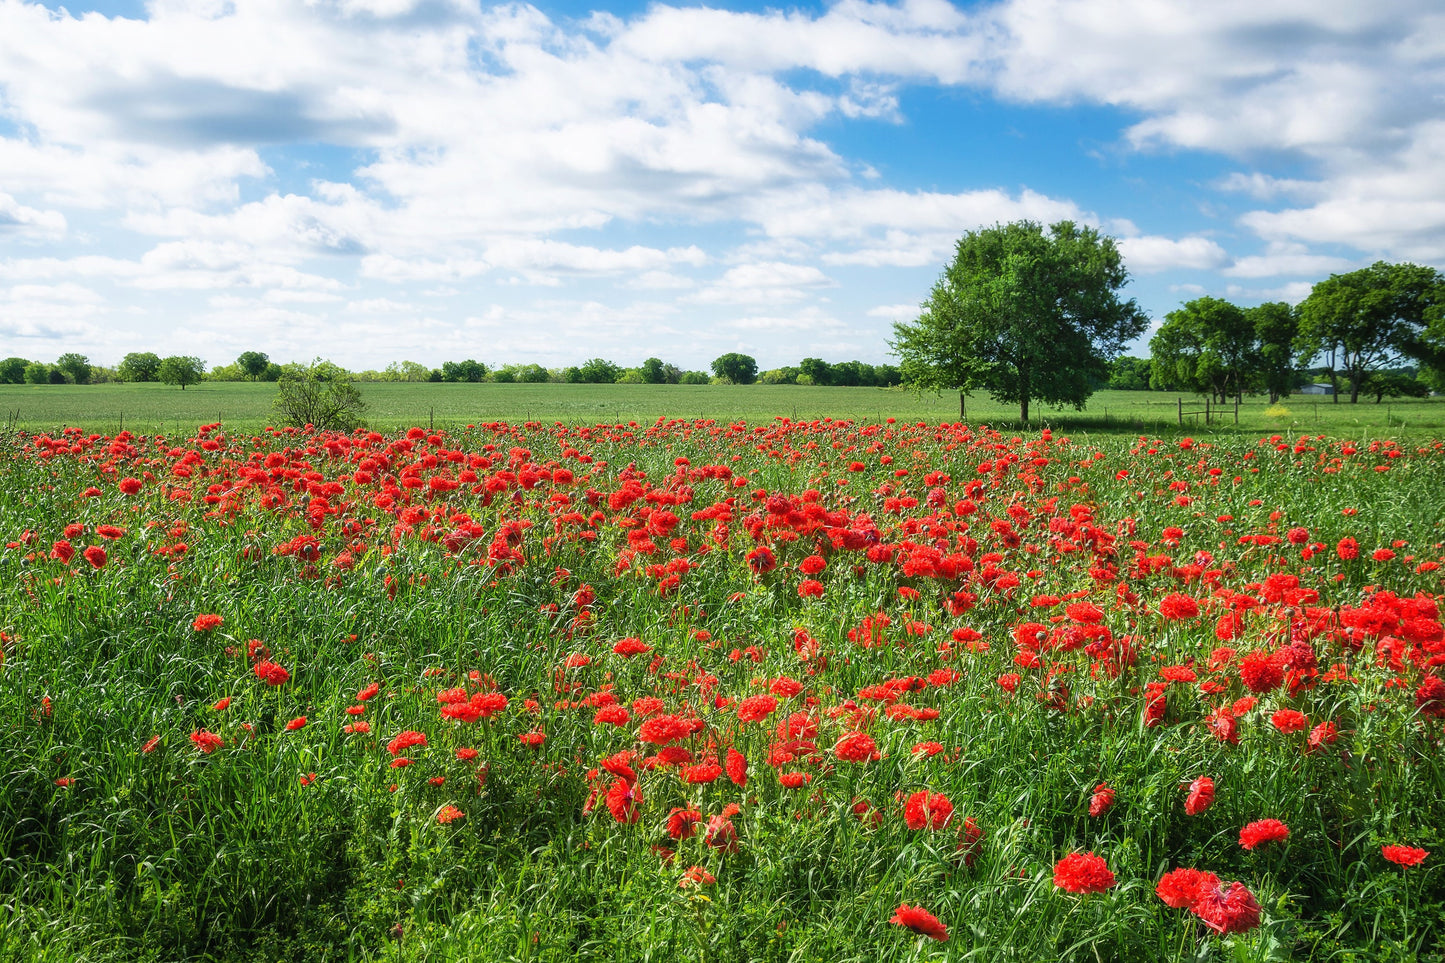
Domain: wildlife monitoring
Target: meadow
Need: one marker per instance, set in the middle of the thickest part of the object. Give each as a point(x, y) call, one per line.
point(158, 408)
point(873, 689)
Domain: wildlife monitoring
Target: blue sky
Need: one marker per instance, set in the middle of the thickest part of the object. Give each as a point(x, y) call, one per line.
point(379, 180)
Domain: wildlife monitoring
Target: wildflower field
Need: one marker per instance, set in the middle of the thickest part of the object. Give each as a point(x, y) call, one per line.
point(792, 690)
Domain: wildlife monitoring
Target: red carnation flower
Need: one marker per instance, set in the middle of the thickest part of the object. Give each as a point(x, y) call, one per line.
point(271, 673)
point(1289, 720)
point(856, 747)
point(207, 742)
point(736, 766)
point(1201, 795)
point(1263, 831)
point(1182, 888)
point(919, 920)
point(1175, 607)
point(1261, 672)
point(756, 708)
point(932, 810)
point(1102, 800)
point(1083, 873)
point(1227, 911)
point(1404, 855)
point(206, 622)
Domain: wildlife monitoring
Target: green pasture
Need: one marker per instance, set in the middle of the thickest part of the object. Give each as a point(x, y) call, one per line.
point(161, 408)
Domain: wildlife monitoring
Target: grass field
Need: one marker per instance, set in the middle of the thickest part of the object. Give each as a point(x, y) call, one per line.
point(714, 692)
point(161, 408)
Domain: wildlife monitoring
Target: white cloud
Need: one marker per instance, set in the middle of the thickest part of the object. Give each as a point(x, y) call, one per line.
point(1150, 254)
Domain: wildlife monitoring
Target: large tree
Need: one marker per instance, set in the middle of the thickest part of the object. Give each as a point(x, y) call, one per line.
point(1276, 326)
point(740, 369)
point(181, 370)
point(140, 366)
point(1025, 314)
point(1370, 318)
point(75, 365)
point(253, 363)
point(1208, 345)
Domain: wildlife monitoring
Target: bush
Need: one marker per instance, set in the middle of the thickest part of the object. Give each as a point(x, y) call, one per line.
point(320, 395)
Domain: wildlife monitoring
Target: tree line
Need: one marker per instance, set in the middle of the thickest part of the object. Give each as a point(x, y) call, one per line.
point(1033, 316)
point(730, 368)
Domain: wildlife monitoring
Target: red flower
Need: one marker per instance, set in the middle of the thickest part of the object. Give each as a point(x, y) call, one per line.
point(756, 708)
point(449, 814)
point(271, 673)
point(856, 747)
point(721, 834)
point(696, 876)
point(1083, 873)
point(1347, 549)
point(222, 704)
point(919, 920)
point(1404, 855)
point(1227, 911)
point(630, 647)
point(612, 716)
point(1201, 796)
point(297, 723)
point(925, 809)
point(207, 742)
point(1102, 800)
point(1261, 672)
point(150, 744)
point(96, 556)
point(206, 622)
point(405, 741)
point(129, 486)
point(761, 560)
point(62, 551)
point(1263, 831)
point(682, 823)
point(1289, 720)
point(1175, 606)
point(1182, 888)
point(1430, 697)
point(736, 766)
point(624, 801)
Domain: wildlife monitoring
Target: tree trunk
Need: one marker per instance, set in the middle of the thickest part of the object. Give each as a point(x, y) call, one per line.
point(962, 407)
point(1356, 377)
point(1024, 409)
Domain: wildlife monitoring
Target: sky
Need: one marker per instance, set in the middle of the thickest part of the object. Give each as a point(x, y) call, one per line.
point(371, 181)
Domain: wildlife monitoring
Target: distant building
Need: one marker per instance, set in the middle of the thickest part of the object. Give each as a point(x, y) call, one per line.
point(1317, 389)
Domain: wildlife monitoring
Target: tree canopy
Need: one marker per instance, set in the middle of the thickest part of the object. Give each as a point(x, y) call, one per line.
point(1208, 345)
point(1366, 319)
point(740, 369)
point(140, 366)
point(253, 363)
point(1024, 314)
point(181, 370)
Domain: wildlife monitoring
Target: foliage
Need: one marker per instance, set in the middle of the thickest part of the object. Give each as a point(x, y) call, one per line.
point(1128, 373)
point(12, 371)
point(320, 395)
point(1361, 321)
point(77, 366)
point(253, 363)
point(1024, 314)
point(1207, 346)
point(596, 371)
point(38, 373)
point(1276, 331)
point(140, 366)
point(1393, 384)
point(735, 368)
point(467, 370)
point(181, 370)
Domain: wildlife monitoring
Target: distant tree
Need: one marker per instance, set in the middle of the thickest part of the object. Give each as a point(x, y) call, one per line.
point(38, 373)
point(1276, 328)
point(598, 371)
point(533, 374)
point(654, 371)
point(1207, 345)
point(1394, 384)
point(887, 376)
point(693, 378)
point(631, 376)
point(779, 376)
point(225, 372)
point(505, 375)
point(75, 365)
point(818, 371)
point(321, 395)
point(140, 366)
point(181, 370)
point(407, 371)
point(1029, 316)
point(740, 369)
point(55, 376)
point(435, 376)
point(468, 370)
point(253, 363)
point(1361, 321)
point(1129, 374)
point(12, 371)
